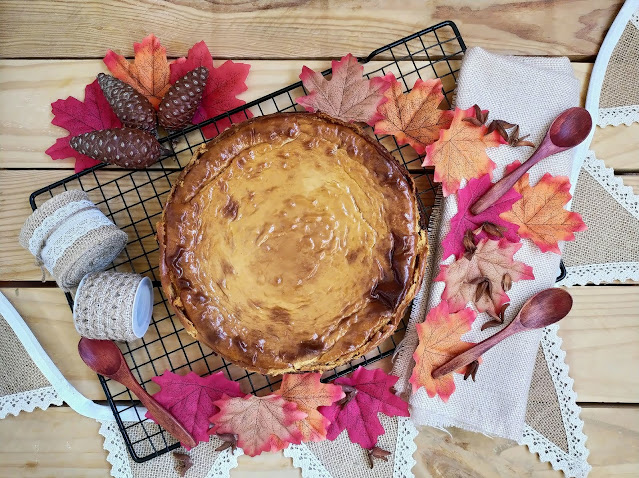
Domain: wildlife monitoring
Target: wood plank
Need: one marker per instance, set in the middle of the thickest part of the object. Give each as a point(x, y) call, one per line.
point(601, 330)
point(59, 442)
point(26, 130)
point(322, 29)
point(596, 350)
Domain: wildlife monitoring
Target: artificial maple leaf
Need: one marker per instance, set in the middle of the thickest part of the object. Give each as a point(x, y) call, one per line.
point(222, 87)
point(540, 214)
point(79, 117)
point(261, 423)
point(347, 95)
point(489, 264)
point(309, 393)
point(149, 73)
point(190, 398)
point(464, 220)
point(358, 415)
point(460, 152)
point(414, 118)
point(439, 341)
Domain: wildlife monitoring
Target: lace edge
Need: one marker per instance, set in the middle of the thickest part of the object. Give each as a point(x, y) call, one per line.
point(306, 461)
point(570, 412)
point(614, 185)
point(618, 115)
point(600, 273)
point(28, 401)
point(550, 453)
point(634, 18)
point(405, 448)
point(224, 463)
point(116, 451)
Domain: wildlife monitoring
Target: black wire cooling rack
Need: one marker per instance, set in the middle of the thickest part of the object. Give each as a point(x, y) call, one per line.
point(133, 200)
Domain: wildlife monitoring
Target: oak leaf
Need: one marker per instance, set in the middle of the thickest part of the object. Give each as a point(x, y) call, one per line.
point(222, 87)
point(347, 95)
point(439, 341)
point(369, 393)
point(261, 423)
point(78, 117)
point(309, 393)
point(489, 264)
point(191, 398)
point(149, 73)
point(464, 220)
point(540, 214)
point(460, 152)
point(414, 117)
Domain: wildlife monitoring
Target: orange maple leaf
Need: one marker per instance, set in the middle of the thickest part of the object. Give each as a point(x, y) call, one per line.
point(309, 393)
point(540, 212)
point(149, 73)
point(414, 118)
point(439, 341)
point(460, 152)
point(261, 423)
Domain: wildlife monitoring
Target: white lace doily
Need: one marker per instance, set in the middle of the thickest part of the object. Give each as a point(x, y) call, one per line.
point(574, 462)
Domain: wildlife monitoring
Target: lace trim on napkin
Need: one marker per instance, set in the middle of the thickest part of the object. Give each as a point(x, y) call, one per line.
point(624, 195)
point(618, 115)
point(118, 455)
point(574, 463)
point(403, 461)
point(27, 401)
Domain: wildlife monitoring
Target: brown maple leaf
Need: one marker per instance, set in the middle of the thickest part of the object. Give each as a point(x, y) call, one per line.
point(480, 278)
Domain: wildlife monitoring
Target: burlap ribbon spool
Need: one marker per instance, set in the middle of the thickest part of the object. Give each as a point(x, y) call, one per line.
point(113, 306)
point(70, 237)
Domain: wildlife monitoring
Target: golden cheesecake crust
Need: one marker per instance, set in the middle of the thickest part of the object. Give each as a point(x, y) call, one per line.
point(291, 243)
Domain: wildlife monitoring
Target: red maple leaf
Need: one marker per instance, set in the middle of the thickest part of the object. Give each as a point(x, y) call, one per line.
point(79, 117)
point(149, 72)
point(220, 95)
point(464, 220)
point(191, 398)
point(439, 341)
point(309, 393)
point(347, 95)
point(370, 393)
point(260, 423)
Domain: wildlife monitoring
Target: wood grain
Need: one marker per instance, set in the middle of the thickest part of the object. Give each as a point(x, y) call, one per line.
point(330, 28)
point(602, 329)
point(59, 442)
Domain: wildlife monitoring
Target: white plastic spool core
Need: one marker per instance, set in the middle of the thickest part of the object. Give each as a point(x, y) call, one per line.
point(142, 307)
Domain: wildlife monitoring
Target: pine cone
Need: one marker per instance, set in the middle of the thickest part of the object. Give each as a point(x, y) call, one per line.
point(126, 147)
point(130, 106)
point(180, 102)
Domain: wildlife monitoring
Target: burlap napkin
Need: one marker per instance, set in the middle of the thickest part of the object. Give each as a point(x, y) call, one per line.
point(530, 92)
point(619, 100)
point(22, 385)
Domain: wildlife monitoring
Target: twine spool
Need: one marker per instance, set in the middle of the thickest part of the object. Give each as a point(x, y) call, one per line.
point(70, 237)
point(113, 306)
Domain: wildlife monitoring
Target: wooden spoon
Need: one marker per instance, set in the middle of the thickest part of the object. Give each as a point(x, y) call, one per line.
point(542, 309)
point(568, 130)
point(105, 358)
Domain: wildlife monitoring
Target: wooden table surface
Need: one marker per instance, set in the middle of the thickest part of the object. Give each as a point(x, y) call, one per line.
point(51, 49)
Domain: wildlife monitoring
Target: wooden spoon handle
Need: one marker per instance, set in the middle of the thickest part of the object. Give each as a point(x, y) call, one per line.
point(160, 414)
point(502, 186)
point(473, 353)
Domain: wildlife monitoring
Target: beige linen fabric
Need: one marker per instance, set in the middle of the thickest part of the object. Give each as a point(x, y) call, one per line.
point(530, 92)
